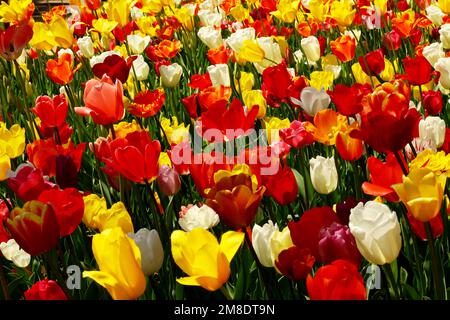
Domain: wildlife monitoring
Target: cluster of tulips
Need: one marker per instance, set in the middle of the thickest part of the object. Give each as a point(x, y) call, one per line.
point(225, 149)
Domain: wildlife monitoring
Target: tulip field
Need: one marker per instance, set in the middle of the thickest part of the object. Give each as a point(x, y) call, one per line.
point(224, 150)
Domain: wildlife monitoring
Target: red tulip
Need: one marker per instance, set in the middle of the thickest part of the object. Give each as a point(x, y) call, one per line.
point(349, 100)
point(13, 40)
point(432, 102)
point(147, 103)
point(34, 227)
point(219, 123)
point(135, 156)
point(276, 81)
point(4, 214)
point(372, 63)
point(93, 4)
point(115, 67)
point(336, 242)
point(295, 263)
point(418, 227)
point(392, 40)
point(417, 70)
point(68, 205)
point(192, 105)
point(382, 176)
point(28, 182)
point(296, 135)
point(339, 280)
point(103, 101)
point(200, 81)
point(64, 132)
point(305, 232)
point(282, 186)
point(51, 112)
point(446, 146)
point(168, 180)
point(45, 290)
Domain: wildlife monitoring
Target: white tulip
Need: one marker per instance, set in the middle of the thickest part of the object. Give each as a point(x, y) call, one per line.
point(376, 231)
point(444, 32)
point(261, 237)
point(435, 14)
point(86, 47)
point(432, 128)
point(150, 246)
point(12, 252)
point(272, 53)
point(324, 175)
point(311, 48)
point(433, 52)
point(210, 36)
point(219, 75)
point(198, 217)
point(443, 66)
point(279, 241)
point(137, 43)
point(101, 58)
point(312, 100)
point(236, 40)
point(141, 68)
point(209, 18)
point(170, 75)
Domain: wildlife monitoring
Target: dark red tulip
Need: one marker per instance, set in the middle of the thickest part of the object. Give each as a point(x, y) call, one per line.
point(45, 290)
point(114, 66)
point(282, 186)
point(295, 263)
point(417, 70)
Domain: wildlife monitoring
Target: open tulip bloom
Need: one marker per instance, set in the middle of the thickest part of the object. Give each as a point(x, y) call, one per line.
point(249, 150)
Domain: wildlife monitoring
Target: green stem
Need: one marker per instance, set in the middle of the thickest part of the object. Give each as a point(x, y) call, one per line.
point(4, 284)
point(390, 276)
point(436, 265)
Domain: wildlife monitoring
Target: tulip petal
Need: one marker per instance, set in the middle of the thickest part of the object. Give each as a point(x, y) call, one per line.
point(230, 243)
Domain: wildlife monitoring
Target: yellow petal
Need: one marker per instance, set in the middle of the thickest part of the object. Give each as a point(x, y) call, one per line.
point(230, 243)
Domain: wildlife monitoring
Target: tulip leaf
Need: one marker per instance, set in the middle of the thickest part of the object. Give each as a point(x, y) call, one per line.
point(300, 183)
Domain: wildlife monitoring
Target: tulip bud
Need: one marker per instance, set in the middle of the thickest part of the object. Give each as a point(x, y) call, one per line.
point(432, 128)
point(138, 43)
point(324, 175)
point(261, 237)
point(168, 180)
point(210, 36)
point(219, 75)
point(337, 242)
point(152, 253)
point(170, 75)
point(192, 217)
point(377, 232)
point(140, 69)
point(34, 227)
point(311, 47)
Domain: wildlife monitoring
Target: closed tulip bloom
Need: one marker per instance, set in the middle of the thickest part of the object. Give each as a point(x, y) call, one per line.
point(443, 66)
point(435, 14)
point(170, 75)
point(203, 258)
point(432, 128)
point(12, 139)
point(311, 47)
point(34, 227)
point(279, 241)
point(192, 217)
point(168, 180)
point(261, 237)
point(138, 43)
point(119, 260)
point(140, 69)
point(313, 100)
point(210, 36)
point(45, 290)
point(444, 33)
point(376, 231)
point(324, 175)
point(51, 112)
point(433, 52)
point(103, 101)
point(422, 193)
point(219, 74)
point(86, 46)
point(152, 253)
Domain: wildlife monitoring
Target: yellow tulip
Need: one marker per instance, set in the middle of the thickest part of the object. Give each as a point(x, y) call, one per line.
point(16, 11)
point(176, 133)
point(61, 32)
point(444, 5)
point(255, 97)
point(119, 260)
point(146, 25)
point(382, 5)
point(104, 26)
point(286, 10)
point(119, 11)
point(422, 192)
point(251, 51)
point(5, 163)
point(240, 13)
point(202, 258)
point(321, 79)
point(43, 38)
point(342, 11)
point(438, 162)
point(13, 140)
point(272, 126)
point(246, 81)
point(318, 9)
point(152, 6)
point(184, 16)
point(123, 128)
point(97, 216)
point(164, 160)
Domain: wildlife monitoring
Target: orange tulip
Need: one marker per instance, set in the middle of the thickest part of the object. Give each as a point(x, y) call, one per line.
point(327, 124)
point(344, 48)
point(60, 70)
point(350, 149)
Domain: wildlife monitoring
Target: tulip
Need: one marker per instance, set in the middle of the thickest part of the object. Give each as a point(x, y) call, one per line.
point(235, 196)
point(236, 40)
point(279, 241)
point(115, 67)
point(103, 101)
point(348, 100)
point(97, 216)
point(311, 48)
point(12, 252)
point(150, 246)
point(282, 186)
point(432, 102)
point(392, 40)
point(377, 232)
point(170, 75)
point(261, 238)
point(323, 173)
point(140, 69)
point(313, 100)
point(271, 53)
point(93, 4)
point(433, 53)
point(443, 66)
point(255, 97)
point(60, 70)
point(119, 260)
point(119, 11)
point(86, 46)
point(337, 242)
point(219, 75)
point(102, 57)
point(192, 217)
point(13, 40)
point(276, 82)
point(202, 258)
point(435, 14)
point(5, 164)
point(147, 104)
point(210, 36)
point(372, 63)
point(137, 43)
point(417, 70)
point(45, 290)
point(422, 193)
point(295, 263)
point(444, 33)
point(273, 126)
point(432, 128)
point(28, 182)
point(51, 112)
point(344, 48)
point(12, 139)
point(339, 280)
point(34, 227)
point(168, 180)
